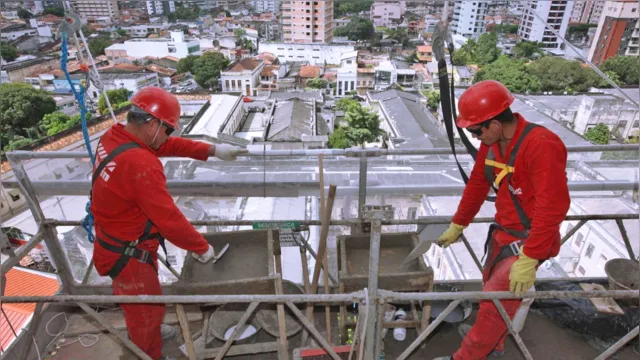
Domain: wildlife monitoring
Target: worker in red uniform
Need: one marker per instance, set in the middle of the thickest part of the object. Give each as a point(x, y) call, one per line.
point(134, 212)
point(526, 163)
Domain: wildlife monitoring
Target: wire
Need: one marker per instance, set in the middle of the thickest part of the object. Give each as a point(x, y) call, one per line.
point(59, 339)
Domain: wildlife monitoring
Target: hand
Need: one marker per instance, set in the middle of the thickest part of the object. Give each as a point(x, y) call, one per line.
point(523, 273)
point(228, 152)
point(206, 257)
point(450, 236)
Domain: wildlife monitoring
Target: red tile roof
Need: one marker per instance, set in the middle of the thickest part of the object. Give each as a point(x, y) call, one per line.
point(245, 64)
point(309, 71)
point(22, 283)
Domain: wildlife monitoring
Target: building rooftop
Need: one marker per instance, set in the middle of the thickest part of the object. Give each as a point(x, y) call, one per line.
point(122, 76)
point(210, 123)
point(309, 71)
point(291, 120)
point(243, 65)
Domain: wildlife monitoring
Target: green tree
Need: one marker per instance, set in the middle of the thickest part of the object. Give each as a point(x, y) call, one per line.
point(24, 14)
point(171, 17)
point(115, 97)
point(505, 29)
point(399, 34)
point(248, 45)
point(357, 29)
point(466, 54)
point(598, 134)
point(347, 104)
point(9, 52)
point(512, 73)
point(57, 11)
point(76, 119)
point(626, 67)
point(348, 7)
point(558, 74)
point(364, 126)
point(487, 51)
point(18, 143)
point(22, 107)
point(207, 68)
point(338, 139)
point(97, 45)
point(186, 64)
point(528, 50)
point(433, 100)
point(55, 122)
point(413, 58)
point(121, 32)
point(317, 83)
point(613, 76)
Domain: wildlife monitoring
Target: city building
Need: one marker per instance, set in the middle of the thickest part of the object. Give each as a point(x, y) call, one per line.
point(93, 10)
point(160, 7)
point(347, 73)
point(130, 81)
point(242, 76)
point(307, 22)
point(389, 73)
point(177, 46)
point(468, 18)
point(623, 120)
point(261, 6)
point(587, 12)
point(315, 54)
point(618, 32)
point(555, 13)
point(387, 13)
point(425, 53)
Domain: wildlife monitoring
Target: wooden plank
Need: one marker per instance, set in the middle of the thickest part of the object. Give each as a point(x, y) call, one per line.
point(603, 305)
point(283, 349)
point(241, 350)
point(236, 332)
point(83, 324)
point(325, 260)
point(307, 288)
point(186, 333)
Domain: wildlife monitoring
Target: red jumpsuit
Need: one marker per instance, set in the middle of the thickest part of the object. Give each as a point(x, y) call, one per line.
point(539, 182)
point(130, 190)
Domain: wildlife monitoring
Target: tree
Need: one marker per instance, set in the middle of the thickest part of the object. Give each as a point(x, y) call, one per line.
point(413, 58)
point(505, 29)
point(512, 73)
point(338, 139)
point(121, 32)
point(18, 143)
point(357, 29)
point(354, 6)
point(599, 134)
point(55, 122)
point(207, 68)
point(466, 54)
point(24, 14)
point(347, 104)
point(115, 97)
point(8, 52)
point(398, 34)
point(22, 107)
point(171, 17)
point(57, 11)
point(558, 74)
point(97, 45)
point(528, 50)
point(626, 67)
point(317, 83)
point(186, 64)
point(364, 126)
point(487, 51)
point(433, 100)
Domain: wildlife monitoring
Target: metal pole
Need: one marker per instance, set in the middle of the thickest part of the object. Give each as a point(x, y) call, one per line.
point(33, 325)
point(619, 344)
point(572, 231)
point(22, 252)
point(26, 187)
point(625, 237)
point(473, 254)
point(87, 273)
point(59, 258)
point(405, 354)
point(236, 332)
point(516, 336)
point(362, 186)
point(168, 266)
point(325, 345)
point(372, 289)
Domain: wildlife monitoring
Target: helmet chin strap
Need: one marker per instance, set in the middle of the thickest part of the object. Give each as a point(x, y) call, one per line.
point(155, 136)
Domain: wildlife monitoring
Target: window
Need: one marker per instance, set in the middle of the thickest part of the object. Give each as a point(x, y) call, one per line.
point(590, 250)
point(581, 270)
point(226, 84)
point(579, 241)
point(603, 259)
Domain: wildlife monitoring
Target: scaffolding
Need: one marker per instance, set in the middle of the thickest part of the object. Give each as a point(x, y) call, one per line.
point(371, 298)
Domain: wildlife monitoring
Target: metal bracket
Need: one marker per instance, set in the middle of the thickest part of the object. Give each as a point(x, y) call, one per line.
point(382, 212)
point(70, 24)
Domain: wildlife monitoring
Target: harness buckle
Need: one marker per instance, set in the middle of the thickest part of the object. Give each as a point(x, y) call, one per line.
point(129, 251)
point(515, 247)
point(144, 257)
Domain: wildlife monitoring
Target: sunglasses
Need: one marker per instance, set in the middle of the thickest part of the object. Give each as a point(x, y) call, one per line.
point(169, 130)
point(138, 115)
point(478, 130)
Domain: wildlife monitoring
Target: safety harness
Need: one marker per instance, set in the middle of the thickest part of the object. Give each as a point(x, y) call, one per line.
point(128, 249)
point(507, 170)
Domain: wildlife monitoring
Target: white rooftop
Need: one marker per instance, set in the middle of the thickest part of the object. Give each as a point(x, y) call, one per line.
point(220, 107)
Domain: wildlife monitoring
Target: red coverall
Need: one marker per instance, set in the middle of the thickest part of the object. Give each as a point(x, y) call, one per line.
point(540, 184)
point(129, 191)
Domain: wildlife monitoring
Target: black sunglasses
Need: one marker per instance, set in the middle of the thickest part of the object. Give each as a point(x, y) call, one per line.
point(478, 131)
point(140, 116)
point(169, 130)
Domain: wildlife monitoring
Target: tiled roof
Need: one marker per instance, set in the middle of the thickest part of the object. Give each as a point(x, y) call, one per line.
point(309, 71)
point(268, 70)
point(244, 64)
point(22, 283)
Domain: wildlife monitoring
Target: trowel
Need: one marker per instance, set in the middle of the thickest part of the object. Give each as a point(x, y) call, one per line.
point(427, 235)
point(220, 253)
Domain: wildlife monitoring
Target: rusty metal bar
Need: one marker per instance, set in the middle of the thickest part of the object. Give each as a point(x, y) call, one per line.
point(566, 237)
point(309, 326)
point(625, 237)
point(472, 253)
point(516, 336)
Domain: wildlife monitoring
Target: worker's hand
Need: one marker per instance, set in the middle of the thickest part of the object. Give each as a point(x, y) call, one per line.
point(206, 257)
point(451, 235)
point(523, 273)
point(228, 152)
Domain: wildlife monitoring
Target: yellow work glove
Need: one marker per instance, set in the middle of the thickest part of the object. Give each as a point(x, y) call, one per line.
point(523, 273)
point(451, 235)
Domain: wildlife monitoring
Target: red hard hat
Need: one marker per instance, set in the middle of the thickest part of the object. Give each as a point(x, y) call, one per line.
point(159, 103)
point(483, 101)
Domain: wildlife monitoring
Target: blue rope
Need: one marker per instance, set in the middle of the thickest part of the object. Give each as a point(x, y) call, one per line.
point(87, 223)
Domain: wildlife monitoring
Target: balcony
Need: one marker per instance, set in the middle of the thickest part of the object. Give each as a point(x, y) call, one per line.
point(408, 178)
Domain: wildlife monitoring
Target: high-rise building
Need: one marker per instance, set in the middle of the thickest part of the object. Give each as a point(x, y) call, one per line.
point(618, 31)
point(92, 9)
point(468, 18)
point(160, 7)
point(262, 6)
point(555, 13)
point(587, 12)
point(306, 22)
